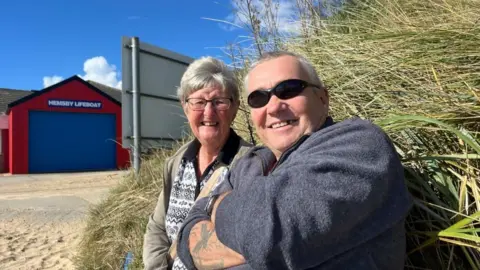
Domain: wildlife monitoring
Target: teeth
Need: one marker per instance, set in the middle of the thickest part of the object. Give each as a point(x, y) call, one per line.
point(210, 123)
point(281, 124)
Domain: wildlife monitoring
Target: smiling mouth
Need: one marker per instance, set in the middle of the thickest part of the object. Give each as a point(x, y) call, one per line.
point(209, 123)
point(282, 124)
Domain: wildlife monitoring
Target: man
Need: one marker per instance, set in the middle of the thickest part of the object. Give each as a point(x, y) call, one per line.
point(320, 195)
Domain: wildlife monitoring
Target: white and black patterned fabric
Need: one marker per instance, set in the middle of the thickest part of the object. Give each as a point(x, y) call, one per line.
point(182, 196)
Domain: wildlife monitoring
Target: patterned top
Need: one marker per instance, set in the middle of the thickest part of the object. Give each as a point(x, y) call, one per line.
point(183, 196)
point(186, 187)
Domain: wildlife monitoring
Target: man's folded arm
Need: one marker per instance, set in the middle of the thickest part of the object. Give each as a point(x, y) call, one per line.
point(198, 246)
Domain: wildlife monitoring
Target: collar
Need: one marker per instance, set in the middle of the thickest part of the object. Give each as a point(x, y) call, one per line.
point(226, 155)
point(328, 122)
point(270, 162)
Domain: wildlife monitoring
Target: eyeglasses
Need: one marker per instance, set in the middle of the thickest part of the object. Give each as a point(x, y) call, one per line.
point(284, 90)
point(199, 104)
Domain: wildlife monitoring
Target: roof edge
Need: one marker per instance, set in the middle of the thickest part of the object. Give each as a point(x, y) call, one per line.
point(59, 84)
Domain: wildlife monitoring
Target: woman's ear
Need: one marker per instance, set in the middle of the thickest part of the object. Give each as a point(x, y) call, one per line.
point(184, 106)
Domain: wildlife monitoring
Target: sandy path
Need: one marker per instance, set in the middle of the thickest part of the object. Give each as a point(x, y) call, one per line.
point(42, 216)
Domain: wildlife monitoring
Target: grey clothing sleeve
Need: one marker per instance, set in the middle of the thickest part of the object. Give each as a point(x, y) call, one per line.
point(156, 243)
point(343, 186)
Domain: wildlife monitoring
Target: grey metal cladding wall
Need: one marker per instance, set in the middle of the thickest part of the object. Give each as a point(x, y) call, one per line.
point(160, 76)
point(161, 115)
point(162, 118)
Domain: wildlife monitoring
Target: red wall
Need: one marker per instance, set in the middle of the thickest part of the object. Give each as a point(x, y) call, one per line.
point(73, 90)
point(5, 149)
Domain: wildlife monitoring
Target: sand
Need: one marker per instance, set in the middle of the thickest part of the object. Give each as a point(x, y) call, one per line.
point(42, 217)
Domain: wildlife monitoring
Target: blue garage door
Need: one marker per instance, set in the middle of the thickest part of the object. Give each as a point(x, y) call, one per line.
point(69, 142)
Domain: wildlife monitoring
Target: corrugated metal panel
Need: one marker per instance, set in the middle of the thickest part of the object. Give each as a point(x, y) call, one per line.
point(64, 141)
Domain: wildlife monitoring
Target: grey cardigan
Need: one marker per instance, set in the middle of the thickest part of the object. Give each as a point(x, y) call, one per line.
point(335, 200)
point(156, 242)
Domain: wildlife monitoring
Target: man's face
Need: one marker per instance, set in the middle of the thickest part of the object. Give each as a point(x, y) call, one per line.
point(281, 123)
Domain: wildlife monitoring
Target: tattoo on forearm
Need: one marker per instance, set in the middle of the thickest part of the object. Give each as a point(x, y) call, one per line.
point(204, 236)
point(204, 245)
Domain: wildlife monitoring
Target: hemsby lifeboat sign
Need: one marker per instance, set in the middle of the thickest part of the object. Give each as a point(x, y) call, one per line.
point(74, 104)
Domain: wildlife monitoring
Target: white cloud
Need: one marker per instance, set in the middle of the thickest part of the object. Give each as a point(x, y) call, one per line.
point(47, 81)
point(99, 70)
point(96, 69)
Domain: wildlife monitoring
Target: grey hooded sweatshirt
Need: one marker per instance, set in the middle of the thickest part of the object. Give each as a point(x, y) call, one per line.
point(335, 200)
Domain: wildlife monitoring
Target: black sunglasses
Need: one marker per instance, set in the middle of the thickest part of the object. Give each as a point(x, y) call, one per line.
point(284, 90)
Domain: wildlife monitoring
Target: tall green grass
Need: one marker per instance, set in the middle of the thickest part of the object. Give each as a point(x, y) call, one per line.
point(410, 66)
point(413, 68)
point(443, 231)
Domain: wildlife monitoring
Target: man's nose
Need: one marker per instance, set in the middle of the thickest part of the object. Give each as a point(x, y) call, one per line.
point(275, 105)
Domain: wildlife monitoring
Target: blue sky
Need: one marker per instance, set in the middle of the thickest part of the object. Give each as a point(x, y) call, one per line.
point(56, 37)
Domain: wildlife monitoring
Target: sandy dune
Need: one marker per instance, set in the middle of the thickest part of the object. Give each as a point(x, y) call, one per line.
point(42, 216)
point(48, 245)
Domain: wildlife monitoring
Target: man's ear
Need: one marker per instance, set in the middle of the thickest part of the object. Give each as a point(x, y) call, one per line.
point(322, 94)
point(325, 97)
point(326, 100)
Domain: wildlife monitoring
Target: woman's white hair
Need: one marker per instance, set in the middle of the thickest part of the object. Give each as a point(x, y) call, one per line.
point(304, 63)
point(208, 72)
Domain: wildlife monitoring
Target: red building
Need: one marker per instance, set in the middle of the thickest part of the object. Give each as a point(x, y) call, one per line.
point(71, 126)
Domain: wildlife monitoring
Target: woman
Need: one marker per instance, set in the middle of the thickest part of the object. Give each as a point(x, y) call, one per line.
point(210, 100)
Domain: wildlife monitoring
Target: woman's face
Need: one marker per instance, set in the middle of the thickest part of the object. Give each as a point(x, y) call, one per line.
point(210, 125)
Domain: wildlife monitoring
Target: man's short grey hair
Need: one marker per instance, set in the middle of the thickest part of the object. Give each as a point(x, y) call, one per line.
point(304, 63)
point(208, 72)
